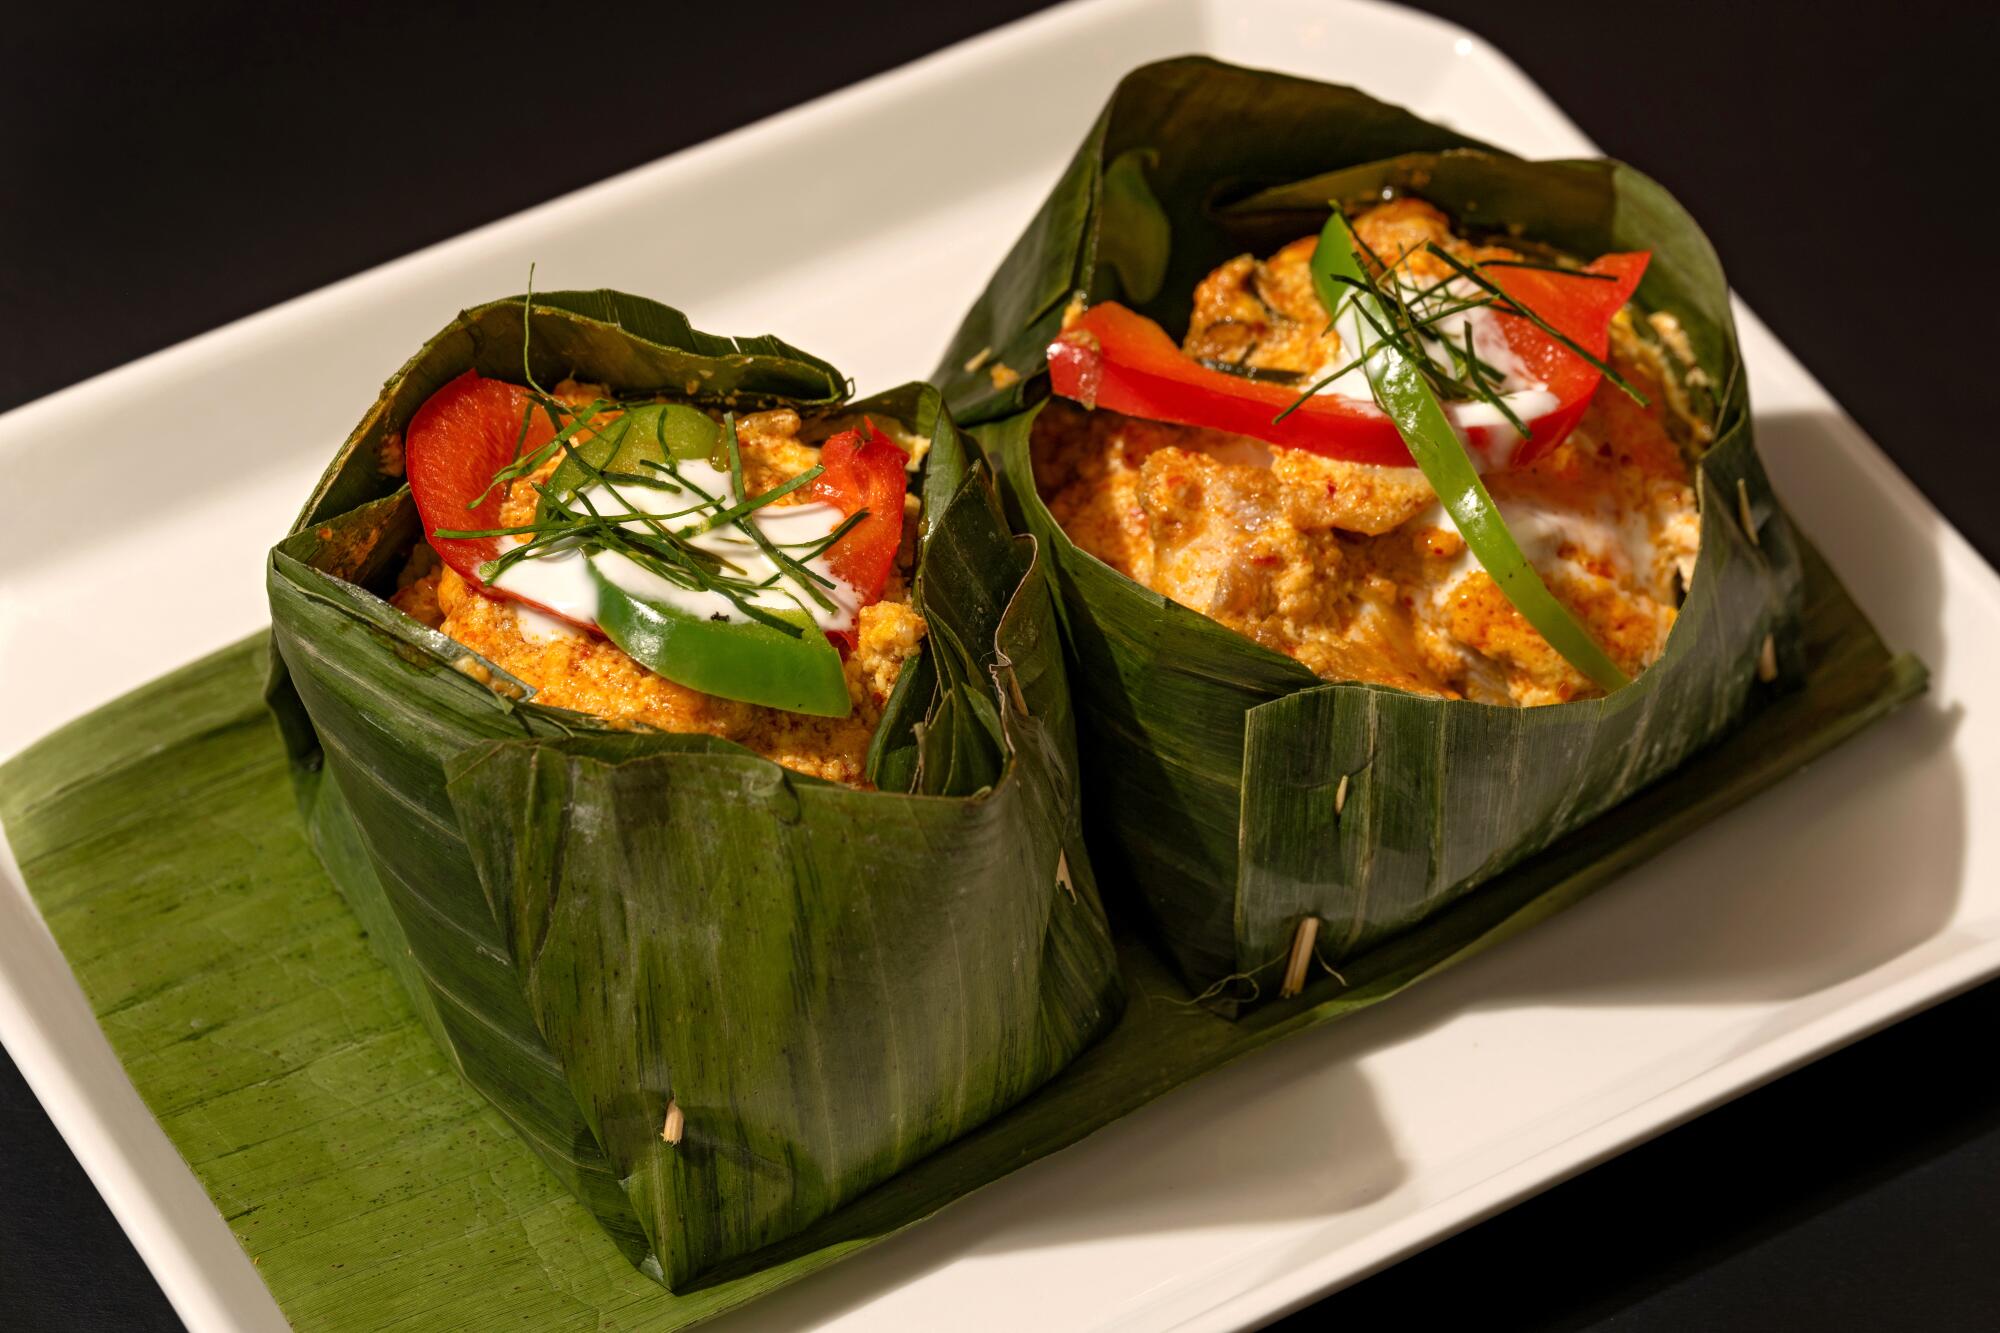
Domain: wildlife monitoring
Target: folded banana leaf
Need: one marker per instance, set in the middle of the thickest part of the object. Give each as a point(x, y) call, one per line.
point(719, 998)
point(1239, 794)
point(374, 1191)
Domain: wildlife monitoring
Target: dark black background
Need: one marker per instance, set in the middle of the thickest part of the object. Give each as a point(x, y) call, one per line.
point(167, 169)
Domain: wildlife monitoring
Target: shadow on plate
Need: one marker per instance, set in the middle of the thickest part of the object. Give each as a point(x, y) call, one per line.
point(1321, 1148)
point(1835, 872)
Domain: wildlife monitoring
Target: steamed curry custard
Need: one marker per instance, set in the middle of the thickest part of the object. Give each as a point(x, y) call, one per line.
point(693, 744)
point(1402, 497)
point(1354, 568)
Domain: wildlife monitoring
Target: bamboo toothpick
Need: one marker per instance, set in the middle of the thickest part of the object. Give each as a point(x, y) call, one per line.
point(1743, 511)
point(1301, 959)
point(1767, 660)
point(676, 1124)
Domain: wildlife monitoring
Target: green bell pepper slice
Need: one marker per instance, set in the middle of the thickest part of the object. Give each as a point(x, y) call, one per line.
point(1401, 391)
point(735, 659)
point(732, 659)
point(652, 433)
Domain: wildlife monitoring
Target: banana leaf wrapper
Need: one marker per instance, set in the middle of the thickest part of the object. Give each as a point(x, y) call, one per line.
point(1236, 792)
point(374, 1190)
point(597, 925)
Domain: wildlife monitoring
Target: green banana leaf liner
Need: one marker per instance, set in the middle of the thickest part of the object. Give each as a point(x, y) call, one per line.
point(1236, 791)
point(826, 984)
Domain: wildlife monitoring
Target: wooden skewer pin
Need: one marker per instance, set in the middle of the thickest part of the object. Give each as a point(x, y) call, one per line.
point(1301, 959)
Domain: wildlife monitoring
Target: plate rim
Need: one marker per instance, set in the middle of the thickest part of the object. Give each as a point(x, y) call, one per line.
point(188, 1249)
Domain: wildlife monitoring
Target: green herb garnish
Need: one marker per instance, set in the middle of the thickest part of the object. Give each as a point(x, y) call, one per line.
point(569, 519)
point(1400, 377)
point(1409, 317)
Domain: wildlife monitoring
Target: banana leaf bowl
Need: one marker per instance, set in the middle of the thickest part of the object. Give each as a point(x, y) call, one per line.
point(1235, 794)
point(717, 997)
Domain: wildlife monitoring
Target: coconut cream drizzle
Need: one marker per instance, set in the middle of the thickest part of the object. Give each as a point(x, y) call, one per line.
point(559, 577)
point(1624, 541)
point(1526, 395)
point(538, 628)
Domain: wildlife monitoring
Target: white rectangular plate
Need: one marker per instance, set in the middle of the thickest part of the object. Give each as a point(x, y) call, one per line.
point(1849, 897)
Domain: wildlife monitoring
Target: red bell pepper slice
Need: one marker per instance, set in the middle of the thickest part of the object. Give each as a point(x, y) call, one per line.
point(863, 470)
point(1116, 358)
point(461, 436)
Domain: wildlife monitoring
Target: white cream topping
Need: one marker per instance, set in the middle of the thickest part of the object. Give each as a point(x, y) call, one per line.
point(1623, 541)
point(1524, 394)
point(538, 628)
point(560, 578)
